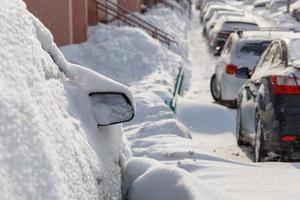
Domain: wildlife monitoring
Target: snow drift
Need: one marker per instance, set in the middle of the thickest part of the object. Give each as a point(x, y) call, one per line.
point(148, 179)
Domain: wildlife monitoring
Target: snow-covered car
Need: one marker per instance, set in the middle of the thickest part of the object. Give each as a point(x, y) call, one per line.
point(206, 3)
point(212, 9)
point(296, 14)
point(208, 6)
point(260, 4)
point(199, 4)
point(275, 5)
point(243, 49)
point(60, 133)
point(217, 36)
point(216, 16)
point(268, 104)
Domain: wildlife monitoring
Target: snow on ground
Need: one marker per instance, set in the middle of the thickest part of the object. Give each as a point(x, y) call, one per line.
point(213, 132)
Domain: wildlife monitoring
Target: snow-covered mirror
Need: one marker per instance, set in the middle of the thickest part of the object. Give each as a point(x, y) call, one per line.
point(111, 108)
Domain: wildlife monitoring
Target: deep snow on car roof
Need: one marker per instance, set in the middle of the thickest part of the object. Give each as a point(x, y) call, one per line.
point(264, 34)
point(238, 19)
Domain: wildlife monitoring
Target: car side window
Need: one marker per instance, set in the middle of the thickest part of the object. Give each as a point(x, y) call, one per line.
point(261, 60)
point(277, 58)
point(267, 63)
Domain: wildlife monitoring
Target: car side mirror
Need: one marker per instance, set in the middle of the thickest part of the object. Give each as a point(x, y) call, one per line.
point(243, 72)
point(218, 51)
point(111, 108)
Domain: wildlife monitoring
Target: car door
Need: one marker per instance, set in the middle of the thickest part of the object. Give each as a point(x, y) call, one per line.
point(253, 90)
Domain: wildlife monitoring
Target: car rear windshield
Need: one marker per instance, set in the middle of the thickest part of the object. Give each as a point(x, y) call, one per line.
point(252, 49)
point(232, 26)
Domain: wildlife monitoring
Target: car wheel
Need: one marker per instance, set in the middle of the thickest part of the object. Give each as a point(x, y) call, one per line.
point(238, 128)
point(259, 152)
point(215, 91)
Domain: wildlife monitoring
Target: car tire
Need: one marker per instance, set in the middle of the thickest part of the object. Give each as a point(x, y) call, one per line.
point(259, 152)
point(215, 93)
point(239, 141)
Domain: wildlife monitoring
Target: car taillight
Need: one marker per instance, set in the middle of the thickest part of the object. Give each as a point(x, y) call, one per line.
point(223, 34)
point(288, 138)
point(285, 84)
point(231, 69)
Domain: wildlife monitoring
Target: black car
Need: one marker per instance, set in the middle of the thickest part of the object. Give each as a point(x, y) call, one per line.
point(268, 113)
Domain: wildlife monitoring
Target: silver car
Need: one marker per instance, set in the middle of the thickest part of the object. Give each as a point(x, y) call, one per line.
point(243, 49)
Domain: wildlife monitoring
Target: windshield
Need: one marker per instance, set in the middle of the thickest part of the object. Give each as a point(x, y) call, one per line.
point(253, 49)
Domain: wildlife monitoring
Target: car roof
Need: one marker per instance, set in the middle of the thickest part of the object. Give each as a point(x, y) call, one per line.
point(241, 19)
point(264, 34)
point(229, 12)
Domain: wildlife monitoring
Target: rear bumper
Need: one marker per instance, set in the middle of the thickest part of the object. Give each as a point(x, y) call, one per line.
point(282, 118)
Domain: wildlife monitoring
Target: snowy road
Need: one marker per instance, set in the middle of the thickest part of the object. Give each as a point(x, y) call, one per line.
point(213, 129)
point(213, 125)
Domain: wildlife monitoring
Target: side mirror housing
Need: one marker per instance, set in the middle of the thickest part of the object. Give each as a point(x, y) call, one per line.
point(111, 108)
point(218, 51)
point(243, 72)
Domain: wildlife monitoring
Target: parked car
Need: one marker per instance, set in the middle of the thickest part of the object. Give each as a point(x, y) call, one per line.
point(269, 103)
point(208, 6)
point(275, 5)
point(206, 3)
point(58, 134)
point(216, 16)
point(260, 4)
point(243, 49)
point(212, 9)
point(217, 36)
point(199, 4)
point(296, 14)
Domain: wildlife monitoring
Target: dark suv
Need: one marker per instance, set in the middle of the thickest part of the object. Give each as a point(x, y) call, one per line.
point(268, 112)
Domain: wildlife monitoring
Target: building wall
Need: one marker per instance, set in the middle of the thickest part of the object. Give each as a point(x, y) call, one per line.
point(55, 15)
point(66, 19)
point(92, 13)
point(132, 5)
point(80, 20)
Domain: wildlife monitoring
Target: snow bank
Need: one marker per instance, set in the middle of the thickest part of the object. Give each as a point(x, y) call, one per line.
point(173, 22)
point(153, 117)
point(50, 148)
point(124, 54)
point(151, 180)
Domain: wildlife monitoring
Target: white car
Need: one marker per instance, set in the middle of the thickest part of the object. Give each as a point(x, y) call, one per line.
point(214, 8)
point(275, 5)
point(61, 136)
point(207, 6)
point(243, 49)
point(216, 16)
point(217, 36)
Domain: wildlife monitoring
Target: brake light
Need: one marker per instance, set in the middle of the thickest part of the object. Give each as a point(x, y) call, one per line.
point(231, 69)
point(285, 85)
point(288, 138)
point(223, 34)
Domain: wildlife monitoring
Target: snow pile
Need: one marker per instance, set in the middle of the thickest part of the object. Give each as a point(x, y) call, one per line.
point(50, 148)
point(151, 180)
point(128, 55)
point(173, 22)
